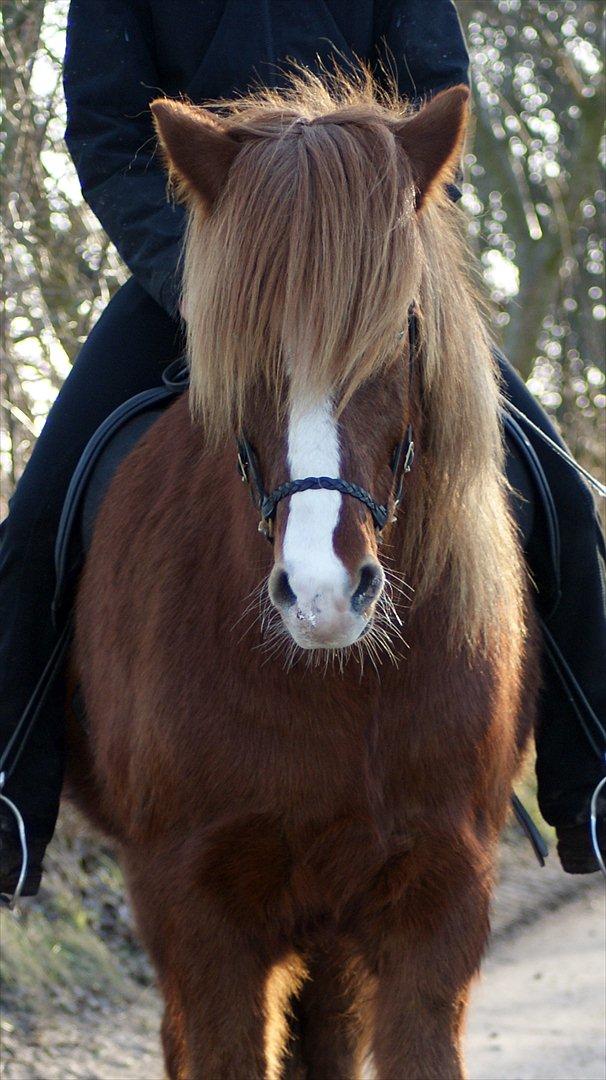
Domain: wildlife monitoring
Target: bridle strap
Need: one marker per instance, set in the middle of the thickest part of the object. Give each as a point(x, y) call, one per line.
point(401, 464)
point(250, 473)
point(269, 505)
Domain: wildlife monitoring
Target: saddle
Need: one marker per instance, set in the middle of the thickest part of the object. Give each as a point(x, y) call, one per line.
point(109, 446)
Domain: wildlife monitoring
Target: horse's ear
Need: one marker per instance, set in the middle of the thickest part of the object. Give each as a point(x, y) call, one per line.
point(433, 139)
point(198, 151)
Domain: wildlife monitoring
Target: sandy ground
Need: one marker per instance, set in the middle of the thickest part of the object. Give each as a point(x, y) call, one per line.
point(538, 1011)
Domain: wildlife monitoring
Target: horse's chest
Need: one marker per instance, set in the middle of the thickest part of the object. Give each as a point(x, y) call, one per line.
point(317, 829)
point(264, 873)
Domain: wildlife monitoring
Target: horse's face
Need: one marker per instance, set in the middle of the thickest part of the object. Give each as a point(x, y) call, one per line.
point(327, 581)
point(302, 259)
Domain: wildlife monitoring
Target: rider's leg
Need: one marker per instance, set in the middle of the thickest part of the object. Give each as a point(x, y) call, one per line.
point(568, 767)
point(130, 345)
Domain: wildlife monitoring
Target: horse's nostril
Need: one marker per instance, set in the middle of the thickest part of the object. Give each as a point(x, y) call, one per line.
point(280, 590)
point(369, 586)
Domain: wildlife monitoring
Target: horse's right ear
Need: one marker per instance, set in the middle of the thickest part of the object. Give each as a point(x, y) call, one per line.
point(199, 152)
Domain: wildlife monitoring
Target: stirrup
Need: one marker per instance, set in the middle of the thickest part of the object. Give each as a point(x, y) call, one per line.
point(593, 825)
point(5, 899)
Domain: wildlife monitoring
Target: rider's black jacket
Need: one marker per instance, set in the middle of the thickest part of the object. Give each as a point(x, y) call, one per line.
point(123, 53)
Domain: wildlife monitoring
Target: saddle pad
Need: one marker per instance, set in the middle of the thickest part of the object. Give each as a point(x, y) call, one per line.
point(111, 443)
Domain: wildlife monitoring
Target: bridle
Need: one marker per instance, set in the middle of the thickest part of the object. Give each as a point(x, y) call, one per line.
point(382, 513)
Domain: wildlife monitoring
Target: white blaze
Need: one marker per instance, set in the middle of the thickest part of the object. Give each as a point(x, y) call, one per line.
point(310, 560)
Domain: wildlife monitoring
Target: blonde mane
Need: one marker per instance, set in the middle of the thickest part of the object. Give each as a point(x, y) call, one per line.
point(304, 272)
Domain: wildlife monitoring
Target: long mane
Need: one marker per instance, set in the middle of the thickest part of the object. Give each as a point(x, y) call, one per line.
point(304, 273)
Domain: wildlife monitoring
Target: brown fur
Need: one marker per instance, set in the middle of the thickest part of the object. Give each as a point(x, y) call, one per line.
point(325, 834)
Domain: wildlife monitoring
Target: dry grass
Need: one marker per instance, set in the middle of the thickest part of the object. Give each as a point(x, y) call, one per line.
point(75, 939)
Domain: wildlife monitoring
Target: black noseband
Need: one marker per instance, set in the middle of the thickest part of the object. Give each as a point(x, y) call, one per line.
point(401, 463)
point(402, 460)
point(324, 483)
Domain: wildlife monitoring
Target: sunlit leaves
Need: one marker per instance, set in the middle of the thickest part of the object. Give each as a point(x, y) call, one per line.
point(537, 202)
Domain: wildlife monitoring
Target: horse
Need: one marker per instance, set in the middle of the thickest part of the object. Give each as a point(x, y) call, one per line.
point(304, 749)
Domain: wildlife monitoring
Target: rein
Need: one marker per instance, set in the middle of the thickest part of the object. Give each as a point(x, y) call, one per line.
point(382, 513)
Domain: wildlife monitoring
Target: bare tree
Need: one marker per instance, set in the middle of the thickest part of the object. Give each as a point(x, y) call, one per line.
point(533, 191)
point(59, 268)
point(537, 188)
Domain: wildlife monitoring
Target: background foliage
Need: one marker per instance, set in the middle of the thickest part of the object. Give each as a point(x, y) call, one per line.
point(534, 194)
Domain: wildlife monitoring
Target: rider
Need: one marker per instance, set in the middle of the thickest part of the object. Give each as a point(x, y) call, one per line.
point(120, 56)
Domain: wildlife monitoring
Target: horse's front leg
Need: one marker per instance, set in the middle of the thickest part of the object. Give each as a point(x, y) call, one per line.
point(425, 955)
point(221, 984)
point(331, 1024)
point(418, 1030)
point(212, 977)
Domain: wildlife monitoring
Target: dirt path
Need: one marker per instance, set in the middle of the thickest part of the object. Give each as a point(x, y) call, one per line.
point(537, 1012)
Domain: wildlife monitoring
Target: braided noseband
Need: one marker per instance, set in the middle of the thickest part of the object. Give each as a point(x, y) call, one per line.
point(401, 464)
point(326, 483)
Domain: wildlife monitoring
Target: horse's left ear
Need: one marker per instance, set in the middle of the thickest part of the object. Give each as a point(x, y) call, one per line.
point(433, 139)
point(199, 152)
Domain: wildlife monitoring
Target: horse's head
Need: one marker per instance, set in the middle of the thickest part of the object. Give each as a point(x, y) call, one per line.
point(329, 482)
point(302, 261)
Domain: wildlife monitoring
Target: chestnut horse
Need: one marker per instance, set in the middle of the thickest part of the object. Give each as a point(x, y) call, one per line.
point(307, 777)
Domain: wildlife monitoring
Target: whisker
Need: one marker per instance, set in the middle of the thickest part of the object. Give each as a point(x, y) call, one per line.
point(292, 656)
point(397, 579)
point(247, 631)
point(387, 604)
point(372, 647)
point(277, 634)
point(398, 589)
point(388, 629)
point(258, 591)
point(371, 656)
point(278, 647)
point(387, 649)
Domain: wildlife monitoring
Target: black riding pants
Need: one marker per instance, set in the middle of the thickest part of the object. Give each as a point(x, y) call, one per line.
point(125, 354)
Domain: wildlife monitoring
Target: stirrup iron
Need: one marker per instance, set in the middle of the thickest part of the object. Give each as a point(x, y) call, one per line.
point(6, 900)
